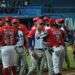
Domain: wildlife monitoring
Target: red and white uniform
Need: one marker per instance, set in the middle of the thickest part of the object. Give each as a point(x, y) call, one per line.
point(55, 39)
point(8, 50)
point(34, 33)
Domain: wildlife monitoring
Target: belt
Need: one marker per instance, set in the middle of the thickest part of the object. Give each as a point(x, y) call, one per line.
point(20, 46)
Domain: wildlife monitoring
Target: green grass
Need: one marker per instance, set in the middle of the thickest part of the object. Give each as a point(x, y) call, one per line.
point(70, 55)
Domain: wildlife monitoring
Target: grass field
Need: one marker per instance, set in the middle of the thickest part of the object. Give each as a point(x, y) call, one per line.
point(70, 55)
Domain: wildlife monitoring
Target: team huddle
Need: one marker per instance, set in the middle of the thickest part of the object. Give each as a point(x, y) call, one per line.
point(45, 42)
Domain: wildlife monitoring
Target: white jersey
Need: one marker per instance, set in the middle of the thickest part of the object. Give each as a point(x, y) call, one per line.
point(20, 38)
point(39, 40)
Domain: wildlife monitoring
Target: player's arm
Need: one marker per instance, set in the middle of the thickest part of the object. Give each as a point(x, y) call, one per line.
point(30, 37)
point(31, 41)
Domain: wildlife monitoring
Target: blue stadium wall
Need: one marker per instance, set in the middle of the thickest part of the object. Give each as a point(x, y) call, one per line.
point(64, 8)
point(52, 8)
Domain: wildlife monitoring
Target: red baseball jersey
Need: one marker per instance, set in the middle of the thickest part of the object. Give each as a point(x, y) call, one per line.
point(55, 37)
point(9, 35)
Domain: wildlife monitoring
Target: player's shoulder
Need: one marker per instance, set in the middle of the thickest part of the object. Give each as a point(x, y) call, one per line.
point(6, 26)
point(9, 27)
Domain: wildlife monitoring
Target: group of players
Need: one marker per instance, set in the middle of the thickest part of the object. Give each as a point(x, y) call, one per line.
point(45, 42)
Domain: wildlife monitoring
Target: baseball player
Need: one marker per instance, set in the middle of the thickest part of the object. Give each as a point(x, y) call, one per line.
point(56, 41)
point(8, 49)
point(65, 30)
point(37, 53)
point(49, 51)
point(31, 41)
point(21, 39)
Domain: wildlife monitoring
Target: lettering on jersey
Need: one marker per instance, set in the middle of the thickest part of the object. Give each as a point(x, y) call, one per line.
point(58, 35)
point(9, 36)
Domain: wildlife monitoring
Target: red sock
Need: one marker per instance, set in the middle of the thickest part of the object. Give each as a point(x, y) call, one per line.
point(6, 71)
point(13, 68)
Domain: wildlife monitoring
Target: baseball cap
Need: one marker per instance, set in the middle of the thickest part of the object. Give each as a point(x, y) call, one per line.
point(35, 19)
point(40, 21)
point(59, 21)
point(46, 19)
point(15, 20)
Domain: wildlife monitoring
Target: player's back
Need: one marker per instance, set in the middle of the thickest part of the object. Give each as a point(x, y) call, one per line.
point(9, 35)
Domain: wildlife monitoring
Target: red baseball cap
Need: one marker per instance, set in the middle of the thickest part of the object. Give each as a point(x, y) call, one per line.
point(35, 19)
point(46, 19)
point(59, 21)
point(39, 21)
point(14, 20)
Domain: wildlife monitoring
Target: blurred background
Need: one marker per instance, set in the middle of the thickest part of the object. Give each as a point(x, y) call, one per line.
point(27, 9)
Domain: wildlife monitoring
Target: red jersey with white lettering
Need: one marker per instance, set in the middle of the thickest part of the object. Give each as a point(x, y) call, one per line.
point(55, 37)
point(9, 35)
point(1, 37)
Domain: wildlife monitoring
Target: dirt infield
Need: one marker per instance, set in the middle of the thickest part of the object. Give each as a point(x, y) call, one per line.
point(65, 72)
point(69, 72)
